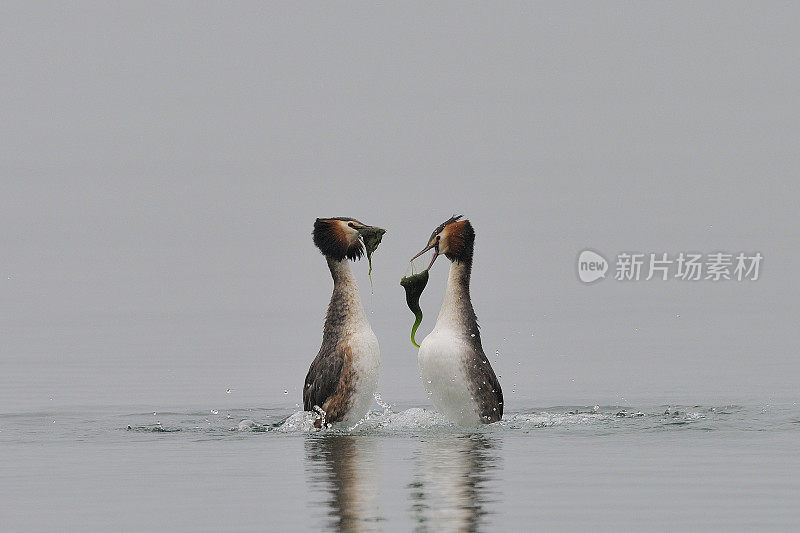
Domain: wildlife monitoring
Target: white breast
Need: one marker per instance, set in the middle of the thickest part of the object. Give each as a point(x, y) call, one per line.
point(366, 363)
point(442, 369)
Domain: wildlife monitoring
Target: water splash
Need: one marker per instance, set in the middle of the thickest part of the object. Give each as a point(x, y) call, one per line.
point(247, 425)
point(379, 400)
point(416, 421)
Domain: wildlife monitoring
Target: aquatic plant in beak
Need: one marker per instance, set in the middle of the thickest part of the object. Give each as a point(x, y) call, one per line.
point(414, 285)
point(371, 236)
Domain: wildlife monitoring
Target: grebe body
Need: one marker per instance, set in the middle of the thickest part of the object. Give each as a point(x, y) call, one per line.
point(342, 379)
point(454, 369)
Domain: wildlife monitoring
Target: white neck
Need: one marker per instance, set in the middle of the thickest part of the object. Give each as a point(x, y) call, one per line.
point(457, 306)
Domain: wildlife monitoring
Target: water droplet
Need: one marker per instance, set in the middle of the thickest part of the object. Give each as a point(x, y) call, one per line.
point(504, 339)
point(429, 382)
point(227, 391)
point(214, 412)
point(285, 391)
point(677, 316)
point(472, 335)
point(154, 414)
point(497, 353)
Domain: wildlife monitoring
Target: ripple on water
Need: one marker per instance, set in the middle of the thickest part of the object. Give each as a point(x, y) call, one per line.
point(414, 421)
point(156, 428)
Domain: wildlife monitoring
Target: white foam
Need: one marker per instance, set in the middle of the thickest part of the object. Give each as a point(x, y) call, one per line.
point(300, 421)
point(418, 419)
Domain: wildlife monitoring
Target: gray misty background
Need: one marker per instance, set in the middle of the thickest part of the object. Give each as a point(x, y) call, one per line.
point(161, 166)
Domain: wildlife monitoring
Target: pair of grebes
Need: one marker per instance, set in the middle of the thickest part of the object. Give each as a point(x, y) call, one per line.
point(455, 372)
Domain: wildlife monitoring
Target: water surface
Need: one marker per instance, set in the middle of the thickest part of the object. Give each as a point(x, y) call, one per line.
point(699, 467)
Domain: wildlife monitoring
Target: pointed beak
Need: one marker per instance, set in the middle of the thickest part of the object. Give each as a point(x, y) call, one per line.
point(435, 247)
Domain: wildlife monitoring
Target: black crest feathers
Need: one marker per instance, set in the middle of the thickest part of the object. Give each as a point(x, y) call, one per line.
point(332, 239)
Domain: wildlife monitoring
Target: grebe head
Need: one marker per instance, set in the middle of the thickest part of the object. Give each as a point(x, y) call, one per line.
point(454, 238)
point(338, 237)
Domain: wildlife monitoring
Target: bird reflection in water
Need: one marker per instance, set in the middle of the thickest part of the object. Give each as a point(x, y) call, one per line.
point(449, 487)
point(342, 468)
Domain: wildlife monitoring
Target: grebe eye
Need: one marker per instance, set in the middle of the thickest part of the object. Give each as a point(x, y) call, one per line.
point(351, 224)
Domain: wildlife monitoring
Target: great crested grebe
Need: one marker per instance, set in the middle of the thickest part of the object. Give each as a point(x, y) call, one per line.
point(342, 379)
point(455, 372)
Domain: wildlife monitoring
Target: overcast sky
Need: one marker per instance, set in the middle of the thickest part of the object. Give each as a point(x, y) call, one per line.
point(161, 166)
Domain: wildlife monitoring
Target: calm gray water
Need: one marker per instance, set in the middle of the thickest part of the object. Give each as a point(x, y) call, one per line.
point(659, 467)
